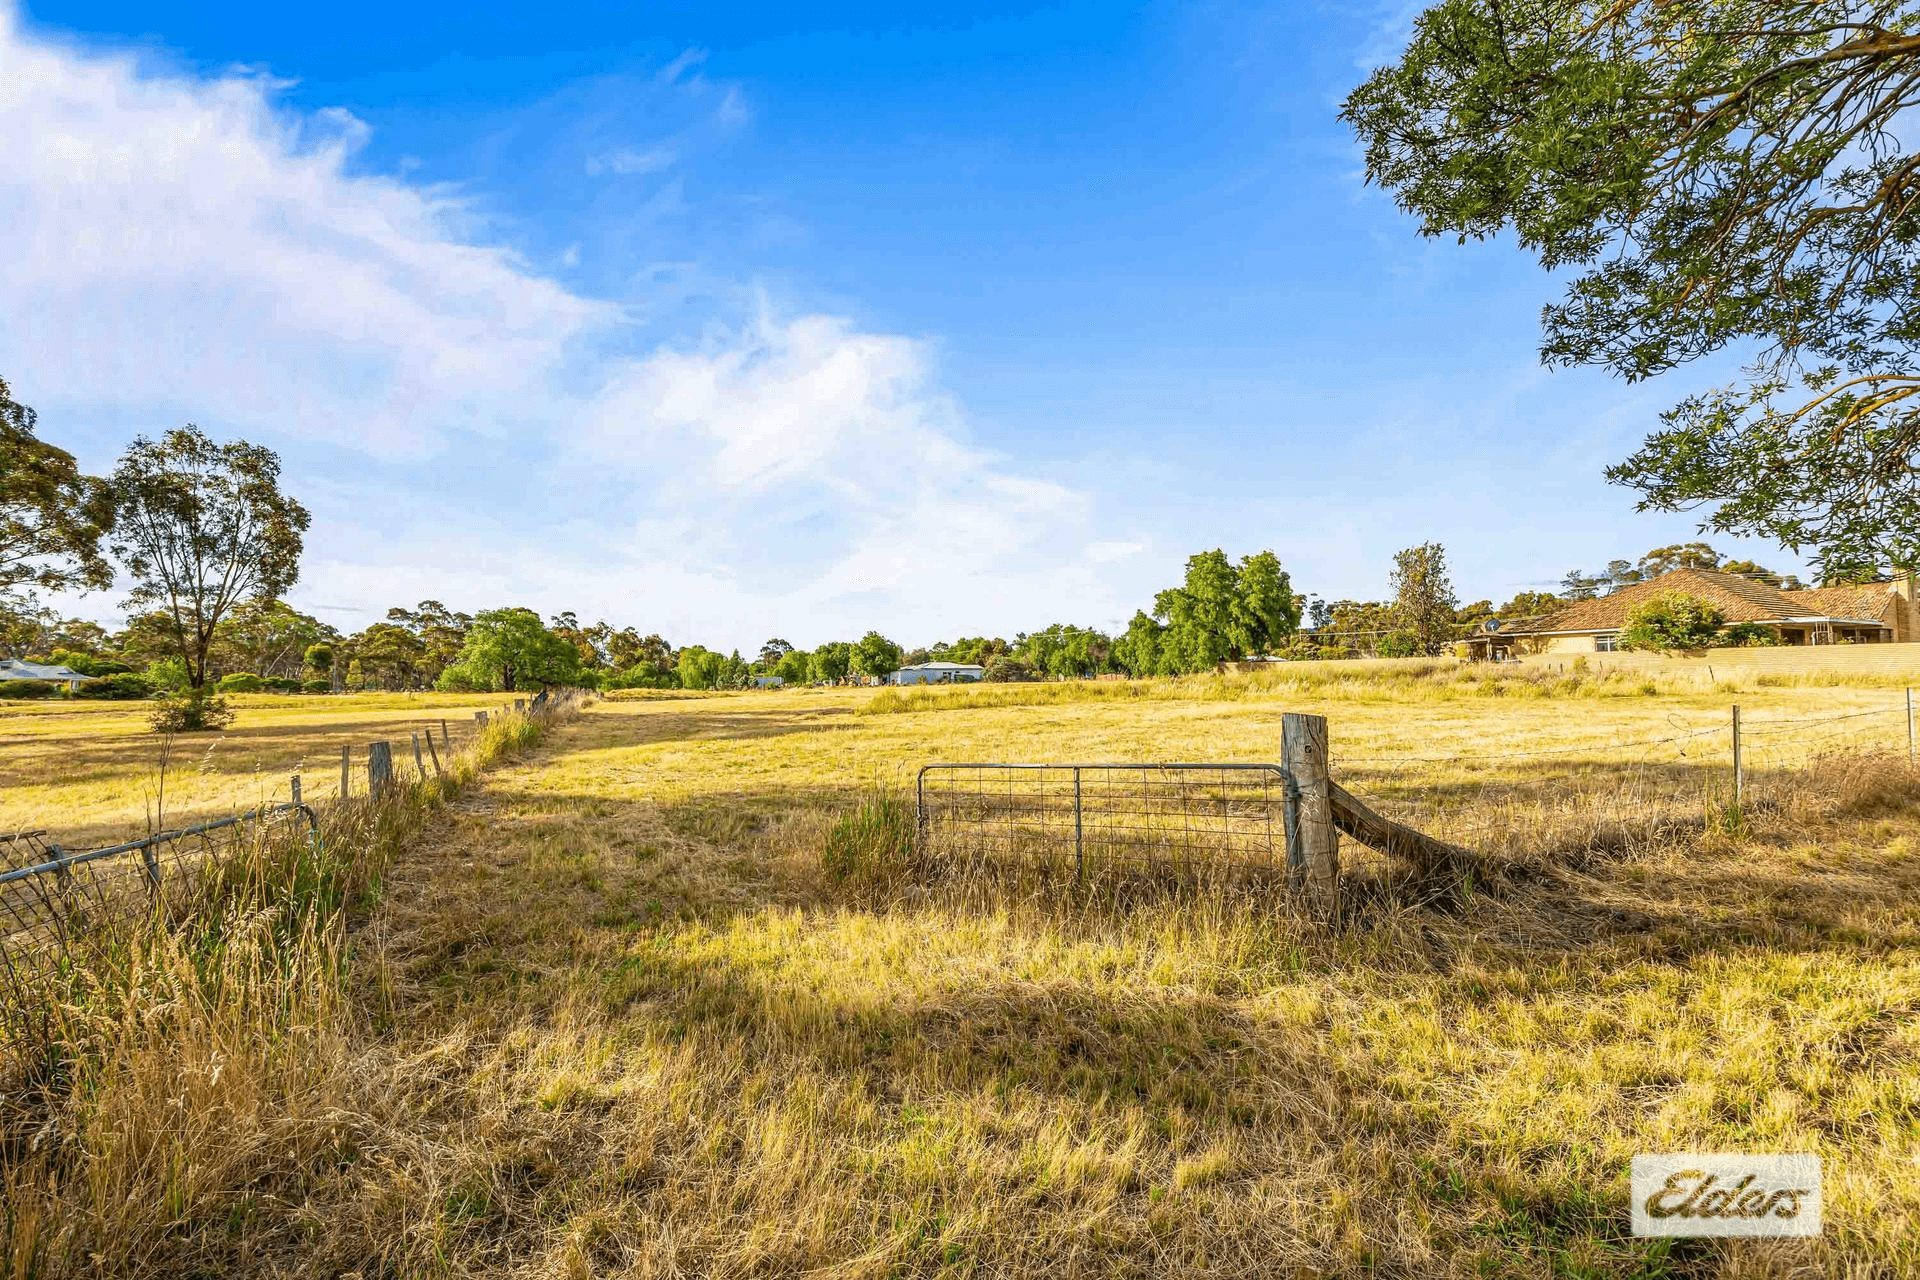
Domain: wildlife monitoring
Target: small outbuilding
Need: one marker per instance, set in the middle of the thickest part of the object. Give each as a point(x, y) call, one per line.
point(939, 673)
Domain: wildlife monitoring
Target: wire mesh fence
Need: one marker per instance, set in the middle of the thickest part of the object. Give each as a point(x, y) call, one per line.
point(1492, 807)
point(57, 903)
point(1096, 817)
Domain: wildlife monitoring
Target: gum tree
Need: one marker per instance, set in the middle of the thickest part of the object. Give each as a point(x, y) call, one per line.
point(1712, 175)
point(201, 527)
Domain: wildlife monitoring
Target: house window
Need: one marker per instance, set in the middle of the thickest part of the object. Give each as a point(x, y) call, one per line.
point(1605, 644)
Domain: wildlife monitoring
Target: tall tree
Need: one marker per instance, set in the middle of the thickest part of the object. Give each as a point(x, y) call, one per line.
point(51, 517)
point(267, 638)
point(1423, 599)
point(1681, 555)
point(875, 655)
point(511, 649)
point(1713, 173)
point(201, 527)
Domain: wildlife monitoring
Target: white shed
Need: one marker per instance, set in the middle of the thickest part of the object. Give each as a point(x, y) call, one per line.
point(939, 673)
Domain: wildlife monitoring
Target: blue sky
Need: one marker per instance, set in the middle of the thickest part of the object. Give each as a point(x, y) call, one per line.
point(749, 320)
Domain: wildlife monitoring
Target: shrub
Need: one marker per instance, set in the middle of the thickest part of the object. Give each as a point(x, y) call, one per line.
point(280, 684)
point(459, 679)
point(1403, 643)
point(242, 682)
point(29, 689)
point(1006, 668)
point(167, 673)
point(1672, 620)
point(192, 712)
point(318, 686)
point(1749, 635)
point(128, 684)
point(87, 664)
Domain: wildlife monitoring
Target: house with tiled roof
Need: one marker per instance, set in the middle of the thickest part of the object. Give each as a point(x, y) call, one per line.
point(1871, 613)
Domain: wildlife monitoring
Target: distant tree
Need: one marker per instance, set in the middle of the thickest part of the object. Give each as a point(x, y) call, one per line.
point(1473, 615)
point(389, 656)
point(876, 656)
point(266, 638)
point(1577, 585)
point(52, 518)
point(1423, 599)
point(793, 667)
point(1266, 612)
point(319, 658)
point(1319, 616)
point(1748, 569)
point(1137, 652)
point(772, 651)
point(1529, 604)
point(1681, 555)
point(201, 527)
point(1065, 652)
point(511, 649)
point(830, 663)
point(441, 632)
point(1672, 620)
point(1223, 611)
point(1621, 573)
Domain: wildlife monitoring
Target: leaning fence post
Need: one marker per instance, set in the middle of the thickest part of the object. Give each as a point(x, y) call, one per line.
point(1303, 745)
point(444, 737)
point(379, 768)
point(419, 765)
point(1739, 774)
point(346, 770)
point(431, 751)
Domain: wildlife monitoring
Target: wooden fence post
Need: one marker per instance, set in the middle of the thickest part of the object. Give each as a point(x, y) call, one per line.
point(294, 788)
point(480, 719)
point(1911, 757)
point(444, 737)
point(379, 768)
point(1739, 774)
point(1303, 749)
point(419, 765)
point(346, 770)
point(437, 770)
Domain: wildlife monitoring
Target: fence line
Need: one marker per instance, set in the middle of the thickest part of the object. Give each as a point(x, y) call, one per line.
point(49, 895)
point(1036, 813)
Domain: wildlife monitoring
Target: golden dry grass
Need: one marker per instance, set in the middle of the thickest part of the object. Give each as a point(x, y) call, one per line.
point(612, 1018)
point(90, 772)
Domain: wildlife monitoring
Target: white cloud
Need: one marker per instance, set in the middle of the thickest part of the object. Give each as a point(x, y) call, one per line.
point(1109, 552)
point(186, 247)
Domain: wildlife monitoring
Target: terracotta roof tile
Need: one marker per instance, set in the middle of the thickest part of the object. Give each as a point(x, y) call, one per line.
point(1740, 599)
point(1868, 600)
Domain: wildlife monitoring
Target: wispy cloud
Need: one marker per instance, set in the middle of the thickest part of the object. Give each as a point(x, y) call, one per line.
point(628, 161)
point(464, 427)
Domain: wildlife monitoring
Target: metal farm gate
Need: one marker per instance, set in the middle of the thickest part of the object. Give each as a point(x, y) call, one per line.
point(1279, 822)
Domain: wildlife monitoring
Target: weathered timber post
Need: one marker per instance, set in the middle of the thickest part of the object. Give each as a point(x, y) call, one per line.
point(293, 788)
point(419, 764)
point(1739, 774)
point(437, 770)
point(379, 768)
point(1303, 749)
point(480, 719)
point(444, 737)
point(520, 706)
point(1911, 758)
point(346, 770)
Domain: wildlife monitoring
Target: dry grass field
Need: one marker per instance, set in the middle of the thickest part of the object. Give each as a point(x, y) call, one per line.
point(610, 1013)
point(91, 772)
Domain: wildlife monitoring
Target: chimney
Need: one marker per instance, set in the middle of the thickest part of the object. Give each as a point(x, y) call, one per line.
point(1906, 623)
